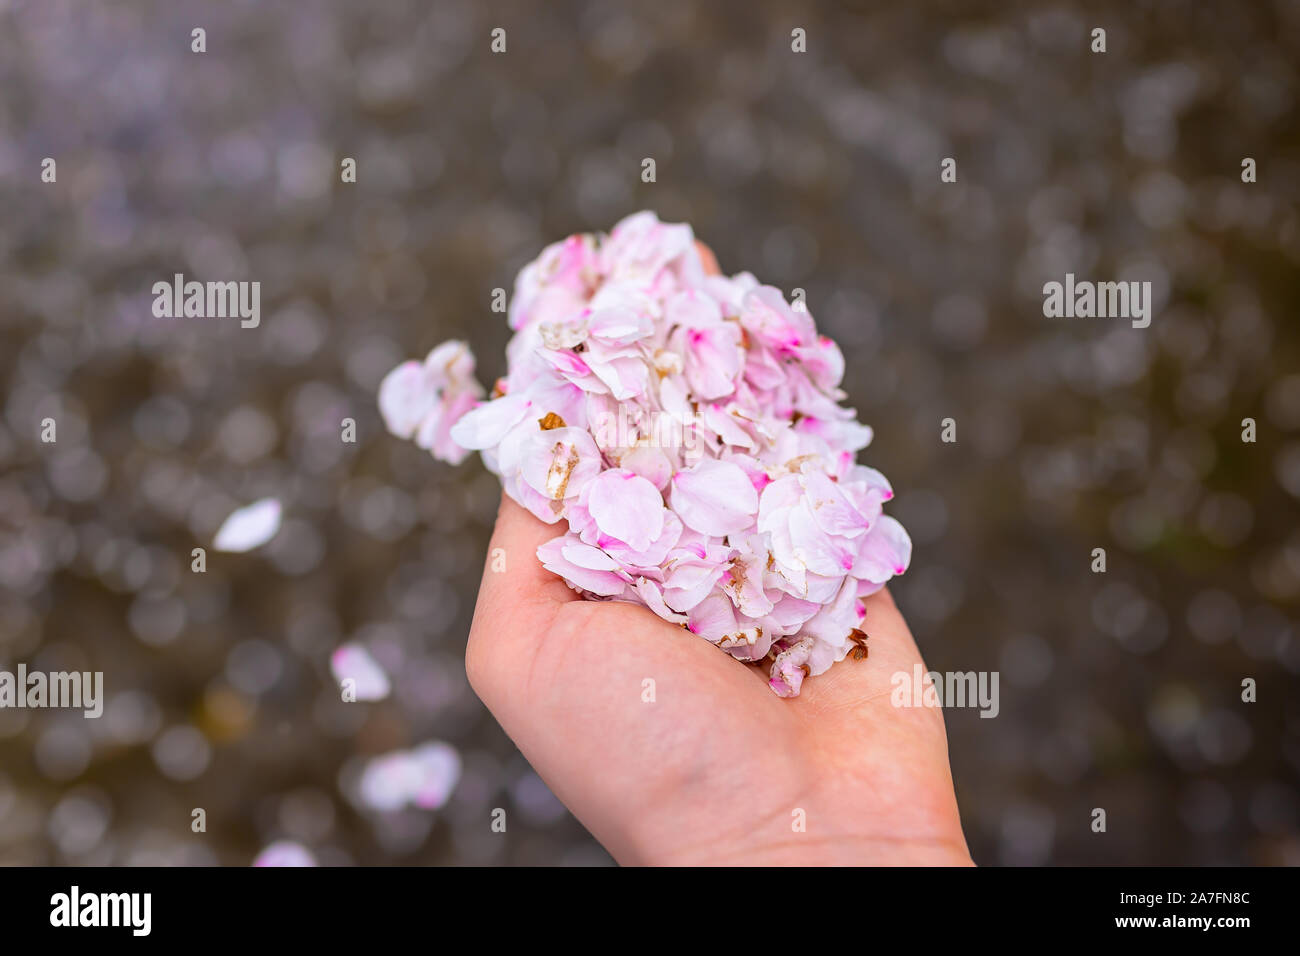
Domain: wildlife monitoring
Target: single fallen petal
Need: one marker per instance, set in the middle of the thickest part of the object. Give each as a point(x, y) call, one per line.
point(352, 662)
point(285, 853)
point(249, 527)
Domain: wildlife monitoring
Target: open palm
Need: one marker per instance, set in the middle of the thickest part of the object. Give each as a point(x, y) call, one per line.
point(706, 764)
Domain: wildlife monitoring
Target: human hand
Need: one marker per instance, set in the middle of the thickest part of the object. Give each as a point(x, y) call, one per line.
point(712, 768)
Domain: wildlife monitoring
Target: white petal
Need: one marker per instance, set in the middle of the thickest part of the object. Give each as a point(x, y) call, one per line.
point(406, 397)
point(353, 662)
point(423, 777)
point(486, 425)
point(250, 527)
point(285, 853)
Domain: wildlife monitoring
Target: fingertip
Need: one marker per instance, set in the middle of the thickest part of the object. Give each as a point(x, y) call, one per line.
point(516, 525)
point(512, 565)
point(708, 259)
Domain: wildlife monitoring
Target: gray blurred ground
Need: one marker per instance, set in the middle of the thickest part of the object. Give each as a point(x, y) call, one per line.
point(820, 170)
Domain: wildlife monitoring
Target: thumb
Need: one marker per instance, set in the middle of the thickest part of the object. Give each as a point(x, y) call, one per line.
point(708, 259)
point(517, 595)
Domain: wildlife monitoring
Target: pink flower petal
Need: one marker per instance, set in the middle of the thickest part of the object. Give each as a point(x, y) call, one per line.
point(559, 462)
point(715, 497)
point(884, 552)
point(627, 508)
point(553, 556)
point(831, 508)
point(353, 662)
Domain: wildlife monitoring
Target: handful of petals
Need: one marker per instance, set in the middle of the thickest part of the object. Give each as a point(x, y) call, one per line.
point(684, 433)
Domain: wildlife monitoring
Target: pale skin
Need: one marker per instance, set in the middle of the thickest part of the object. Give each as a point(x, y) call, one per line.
point(715, 768)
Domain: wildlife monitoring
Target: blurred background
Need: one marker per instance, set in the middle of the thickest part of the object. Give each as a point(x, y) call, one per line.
point(817, 170)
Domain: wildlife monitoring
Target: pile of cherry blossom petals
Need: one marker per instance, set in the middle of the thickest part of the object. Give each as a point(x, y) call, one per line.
point(684, 433)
